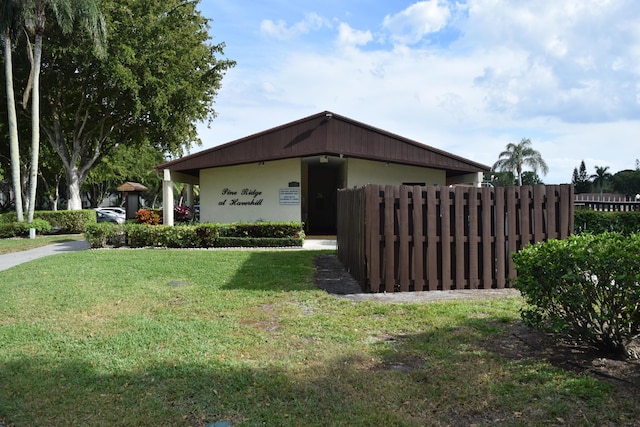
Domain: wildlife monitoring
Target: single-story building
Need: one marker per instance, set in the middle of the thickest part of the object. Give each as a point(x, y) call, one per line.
point(292, 172)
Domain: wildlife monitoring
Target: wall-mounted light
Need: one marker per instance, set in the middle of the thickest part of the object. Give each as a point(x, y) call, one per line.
point(261, 163)
point(324, 159)
point(387, 164)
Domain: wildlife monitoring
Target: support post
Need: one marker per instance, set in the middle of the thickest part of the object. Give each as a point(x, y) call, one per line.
point(167, 198)
point(189, 201)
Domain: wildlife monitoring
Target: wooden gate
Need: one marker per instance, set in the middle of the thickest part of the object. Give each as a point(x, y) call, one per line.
point(414, 238)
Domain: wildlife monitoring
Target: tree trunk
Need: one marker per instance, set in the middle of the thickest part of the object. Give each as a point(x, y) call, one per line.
point(519, 170)
point(13, 129)
point(53, 191)
point(54, 199)
point(74, 183)
point(35, 127)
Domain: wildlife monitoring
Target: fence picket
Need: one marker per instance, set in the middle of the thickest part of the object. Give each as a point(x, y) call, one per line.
point(473, 238)
point(487, 236)
point(499, 239)
point(373, 237)
point(403, 238)
point(418, 239)
point(459, 218)
point(445, 237)
point(389, 261)
point(512, 227)
point(551, 225)
point(432, 206)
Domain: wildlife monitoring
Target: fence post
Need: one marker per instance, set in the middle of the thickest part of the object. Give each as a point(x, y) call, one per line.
point(473, 238)
point(418, 239)
point(432, 238)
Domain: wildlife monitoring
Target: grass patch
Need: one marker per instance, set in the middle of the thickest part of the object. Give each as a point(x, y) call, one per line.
point(166, 337)
point(23, 244)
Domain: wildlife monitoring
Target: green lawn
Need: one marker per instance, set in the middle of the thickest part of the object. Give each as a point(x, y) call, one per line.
point(193, 337)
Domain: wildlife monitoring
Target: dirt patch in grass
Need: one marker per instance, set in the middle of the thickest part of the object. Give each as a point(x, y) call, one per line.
point(518, 342)
point(521, 342)
point(332, 277)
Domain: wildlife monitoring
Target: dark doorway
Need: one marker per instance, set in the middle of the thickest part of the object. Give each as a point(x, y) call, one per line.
point(322, 204)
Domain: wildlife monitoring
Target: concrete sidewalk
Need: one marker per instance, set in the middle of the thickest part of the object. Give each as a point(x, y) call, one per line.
point(320, 243)
point(15, 258)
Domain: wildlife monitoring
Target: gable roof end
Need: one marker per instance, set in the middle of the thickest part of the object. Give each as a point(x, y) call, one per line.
point(324, 133)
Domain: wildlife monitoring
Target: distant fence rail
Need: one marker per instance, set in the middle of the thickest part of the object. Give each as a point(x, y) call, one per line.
point(607, 206)
point(414, 238)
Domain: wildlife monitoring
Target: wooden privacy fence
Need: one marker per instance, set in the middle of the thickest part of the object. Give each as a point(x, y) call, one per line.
point(414, 238)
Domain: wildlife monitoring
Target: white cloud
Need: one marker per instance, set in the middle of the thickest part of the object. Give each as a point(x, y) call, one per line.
point(569, 58)
point(563, 73)
point(280, 30)
point(348, 37)
point(412, 24)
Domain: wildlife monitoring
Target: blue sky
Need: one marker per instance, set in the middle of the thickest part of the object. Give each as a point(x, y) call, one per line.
point(463, 76)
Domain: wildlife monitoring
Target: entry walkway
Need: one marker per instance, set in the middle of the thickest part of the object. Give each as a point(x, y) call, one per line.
point(15, 258)
point(320, 243)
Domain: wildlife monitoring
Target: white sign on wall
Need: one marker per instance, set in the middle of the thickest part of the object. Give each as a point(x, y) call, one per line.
point(289, 196)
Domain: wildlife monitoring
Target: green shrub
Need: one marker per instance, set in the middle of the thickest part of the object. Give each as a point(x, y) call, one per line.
point(257, 242)
point(587, 287)
point(66, 222)
point(207, 234)
point(104, 234)
point(203, 236)
point(69, 222)
point(263, 229)
point(180, 236)
point(595, 222)
point(141, 235)
point(15, 229)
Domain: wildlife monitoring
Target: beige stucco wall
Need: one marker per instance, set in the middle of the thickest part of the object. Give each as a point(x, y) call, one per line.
point(251, 192)
point(363, 172)
point(468, 179)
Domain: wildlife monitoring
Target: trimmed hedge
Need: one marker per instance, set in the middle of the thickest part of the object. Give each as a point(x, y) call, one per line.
point(103, 234)
point(595, 222)
point(262, 230)
point(258, 242)
point(587, 287)
point(15, 229)
point(65, 222)
point(195, 236)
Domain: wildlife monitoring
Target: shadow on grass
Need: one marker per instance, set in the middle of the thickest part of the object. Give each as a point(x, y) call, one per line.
point(64, 393)
point(275, 271)
point(432, 378)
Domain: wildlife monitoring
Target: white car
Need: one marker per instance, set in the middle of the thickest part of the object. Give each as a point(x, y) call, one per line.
point(114, 210)
point(108, 216)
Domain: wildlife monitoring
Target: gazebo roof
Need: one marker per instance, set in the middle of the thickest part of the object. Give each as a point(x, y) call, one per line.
point(132, 186)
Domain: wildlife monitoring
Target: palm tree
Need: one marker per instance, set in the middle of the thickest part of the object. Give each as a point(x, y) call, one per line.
point(10, 16)
point(601, 177)
point(65, 12)
point(518, 155)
